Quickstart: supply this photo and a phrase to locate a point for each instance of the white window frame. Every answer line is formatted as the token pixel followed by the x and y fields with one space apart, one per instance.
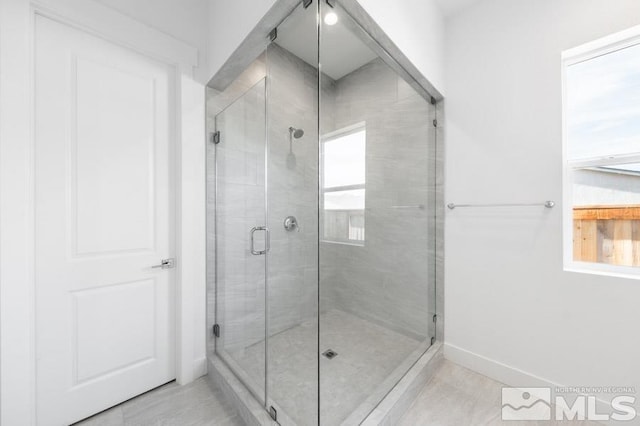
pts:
pixel 344 131
pixel 585 52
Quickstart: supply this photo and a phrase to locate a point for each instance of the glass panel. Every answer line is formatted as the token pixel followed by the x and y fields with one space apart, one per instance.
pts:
pixel 606 215
pixel 377 297
pixel 239 205
pixel 603 105
pixel 292 170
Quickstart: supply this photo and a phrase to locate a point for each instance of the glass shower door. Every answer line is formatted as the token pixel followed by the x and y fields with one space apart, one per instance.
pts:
pixel 241 237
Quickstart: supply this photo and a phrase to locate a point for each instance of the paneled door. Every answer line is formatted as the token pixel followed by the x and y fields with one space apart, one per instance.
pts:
pixel 104 124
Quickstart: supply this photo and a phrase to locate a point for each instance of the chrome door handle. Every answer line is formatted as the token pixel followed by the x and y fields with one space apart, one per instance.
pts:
pixel 266 240
pixel 166 264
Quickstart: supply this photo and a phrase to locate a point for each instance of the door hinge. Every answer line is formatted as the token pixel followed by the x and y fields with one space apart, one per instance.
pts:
pixel 306 3
pixel 435 318
pixel 433 101
pixel 273 413
pixel 215 137
pixel 433 340
pixel 435 123
pixel 216 330
pixel 273 35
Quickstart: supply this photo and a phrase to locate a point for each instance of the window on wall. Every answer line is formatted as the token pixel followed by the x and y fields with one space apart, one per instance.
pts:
pixel 602 155
pixel 344 185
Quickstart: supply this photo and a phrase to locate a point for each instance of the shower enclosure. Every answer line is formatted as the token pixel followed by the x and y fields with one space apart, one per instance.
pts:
pixel 322 167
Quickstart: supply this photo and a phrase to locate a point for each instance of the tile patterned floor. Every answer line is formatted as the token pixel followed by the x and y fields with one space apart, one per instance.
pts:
pixel 458 396
pixel 454 397
pixel 368 355
pixel 196 404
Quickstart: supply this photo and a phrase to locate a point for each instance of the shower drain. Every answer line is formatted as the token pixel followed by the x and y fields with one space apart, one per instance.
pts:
pixel 330 353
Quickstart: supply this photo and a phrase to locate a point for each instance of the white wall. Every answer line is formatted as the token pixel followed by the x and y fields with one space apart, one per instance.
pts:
pixel 416 26
pixel 229 23
pixel 508 304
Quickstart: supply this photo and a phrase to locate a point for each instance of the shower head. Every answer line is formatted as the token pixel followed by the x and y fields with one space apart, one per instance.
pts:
pixel 296 133
pixel 291 157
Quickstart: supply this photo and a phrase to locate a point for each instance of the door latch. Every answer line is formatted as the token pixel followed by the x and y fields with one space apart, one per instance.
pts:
pixel 166 264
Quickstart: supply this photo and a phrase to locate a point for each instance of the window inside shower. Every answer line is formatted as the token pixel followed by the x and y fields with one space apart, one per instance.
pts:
pixel 343 178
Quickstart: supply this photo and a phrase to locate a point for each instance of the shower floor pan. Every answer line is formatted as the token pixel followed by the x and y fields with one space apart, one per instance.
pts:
pixel 363 383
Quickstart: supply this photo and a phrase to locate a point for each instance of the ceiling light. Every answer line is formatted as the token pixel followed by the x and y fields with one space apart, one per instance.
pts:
pixel 330 18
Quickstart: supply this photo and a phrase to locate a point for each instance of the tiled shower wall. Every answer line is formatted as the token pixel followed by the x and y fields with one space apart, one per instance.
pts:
pixel 390 280
pixel 240 207
pixel 291 191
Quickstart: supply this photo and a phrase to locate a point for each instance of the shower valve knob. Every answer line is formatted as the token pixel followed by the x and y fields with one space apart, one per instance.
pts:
pixel 291 223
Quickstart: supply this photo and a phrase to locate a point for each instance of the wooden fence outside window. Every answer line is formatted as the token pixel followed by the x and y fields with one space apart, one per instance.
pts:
pixel 607 234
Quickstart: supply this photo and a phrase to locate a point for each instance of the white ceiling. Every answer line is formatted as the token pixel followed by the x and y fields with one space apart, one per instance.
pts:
pixel 451 7
pixel 342 51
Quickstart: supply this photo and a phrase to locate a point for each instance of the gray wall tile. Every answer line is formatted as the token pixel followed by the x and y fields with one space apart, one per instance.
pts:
pixel 391 279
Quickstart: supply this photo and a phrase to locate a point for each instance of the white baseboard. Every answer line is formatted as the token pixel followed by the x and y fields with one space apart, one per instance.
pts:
pixel 514 377
pixel 200 367
pixel 495 370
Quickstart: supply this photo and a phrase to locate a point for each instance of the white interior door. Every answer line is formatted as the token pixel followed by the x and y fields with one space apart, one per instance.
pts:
pixel 104 121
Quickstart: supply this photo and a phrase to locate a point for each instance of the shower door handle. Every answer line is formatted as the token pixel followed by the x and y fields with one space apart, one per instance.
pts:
pixel 266 240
